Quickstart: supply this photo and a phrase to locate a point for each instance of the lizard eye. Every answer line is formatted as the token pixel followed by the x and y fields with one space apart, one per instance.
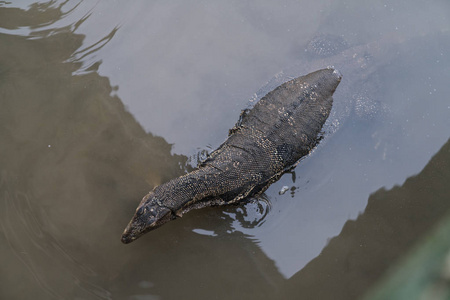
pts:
pixel 141 211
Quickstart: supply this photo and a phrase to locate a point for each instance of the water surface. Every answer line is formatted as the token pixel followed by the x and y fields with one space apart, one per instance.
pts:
pixel 102 101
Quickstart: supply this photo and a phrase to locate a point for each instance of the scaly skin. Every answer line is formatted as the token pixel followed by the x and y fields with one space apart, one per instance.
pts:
pixel 268 140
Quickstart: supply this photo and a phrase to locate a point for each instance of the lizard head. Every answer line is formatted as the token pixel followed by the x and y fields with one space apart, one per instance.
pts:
pixel 149 215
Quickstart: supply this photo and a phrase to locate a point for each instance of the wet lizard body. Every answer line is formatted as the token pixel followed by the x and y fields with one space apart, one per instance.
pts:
pixel 267 141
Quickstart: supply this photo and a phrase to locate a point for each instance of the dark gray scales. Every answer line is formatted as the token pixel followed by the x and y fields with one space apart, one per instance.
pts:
pixel 267 141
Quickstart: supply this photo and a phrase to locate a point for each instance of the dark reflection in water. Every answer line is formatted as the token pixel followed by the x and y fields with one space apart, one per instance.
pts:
pixel 74 163
pixel 391 224
pixel 37 15
pixel 71 159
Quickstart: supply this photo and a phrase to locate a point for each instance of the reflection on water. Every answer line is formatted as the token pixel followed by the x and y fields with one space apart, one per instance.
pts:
pixel 392 222
pixel 35 16
pixel 74 162
pixel 26 227
pixel 71 158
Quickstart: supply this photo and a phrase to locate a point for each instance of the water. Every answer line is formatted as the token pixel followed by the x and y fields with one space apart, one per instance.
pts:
pixel 101 101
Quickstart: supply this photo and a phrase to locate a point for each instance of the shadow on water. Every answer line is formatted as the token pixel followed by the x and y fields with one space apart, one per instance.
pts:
pixel 74 163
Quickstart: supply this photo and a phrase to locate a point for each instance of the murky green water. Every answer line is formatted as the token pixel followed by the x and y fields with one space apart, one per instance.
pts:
pixel 101 101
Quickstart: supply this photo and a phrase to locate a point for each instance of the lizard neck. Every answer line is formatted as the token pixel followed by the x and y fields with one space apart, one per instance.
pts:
pixel 193 190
